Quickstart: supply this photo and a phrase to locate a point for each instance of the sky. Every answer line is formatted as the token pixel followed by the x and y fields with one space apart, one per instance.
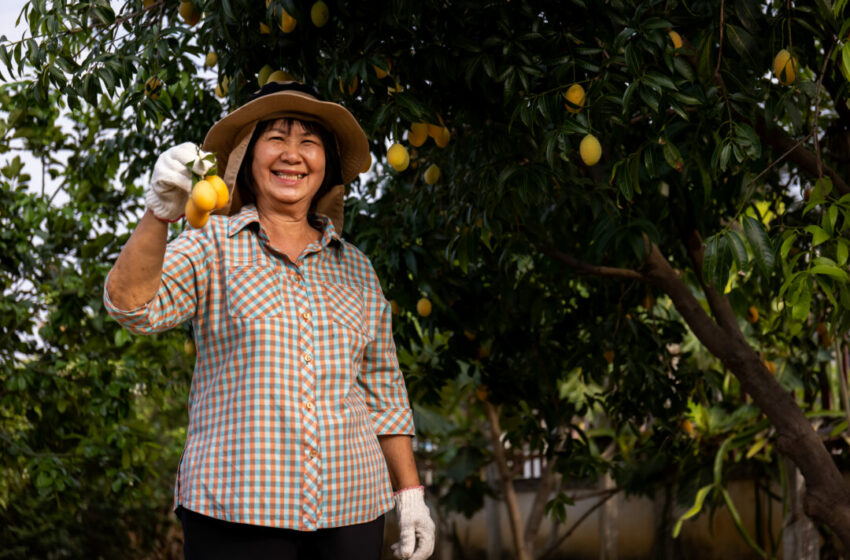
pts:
pixel 9 11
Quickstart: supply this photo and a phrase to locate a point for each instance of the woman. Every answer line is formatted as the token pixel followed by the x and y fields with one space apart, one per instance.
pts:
pixel 299 422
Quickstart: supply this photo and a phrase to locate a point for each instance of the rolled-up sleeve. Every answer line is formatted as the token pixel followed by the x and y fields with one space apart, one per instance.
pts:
pixel 185 275
pixel 381 377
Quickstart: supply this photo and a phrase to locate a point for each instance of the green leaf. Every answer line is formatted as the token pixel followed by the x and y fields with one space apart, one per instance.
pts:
pixel 736 517
pixel 742 42
pixel 841 252
pixel 658 81
pixel 802 301
pixel 694 509
pixel 786 245
pixel 819 235
pixel 739 249
pixel 829 270
pixel 760 245
pixel 830 218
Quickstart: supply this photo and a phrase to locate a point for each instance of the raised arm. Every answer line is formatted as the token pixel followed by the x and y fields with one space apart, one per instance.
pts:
pixel 135 277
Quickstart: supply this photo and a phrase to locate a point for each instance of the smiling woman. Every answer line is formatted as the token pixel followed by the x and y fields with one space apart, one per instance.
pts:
pixel 299 421
pixel 292 161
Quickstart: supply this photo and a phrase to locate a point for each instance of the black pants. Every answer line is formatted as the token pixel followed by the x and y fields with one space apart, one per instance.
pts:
pixel 207 538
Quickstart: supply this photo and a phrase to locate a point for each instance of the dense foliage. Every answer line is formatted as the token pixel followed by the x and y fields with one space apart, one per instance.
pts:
pixel 670 314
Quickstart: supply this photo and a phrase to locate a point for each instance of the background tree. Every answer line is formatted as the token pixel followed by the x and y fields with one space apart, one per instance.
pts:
pixel 669 313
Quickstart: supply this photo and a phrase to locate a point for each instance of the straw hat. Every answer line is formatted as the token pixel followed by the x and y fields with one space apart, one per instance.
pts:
pixel 228 138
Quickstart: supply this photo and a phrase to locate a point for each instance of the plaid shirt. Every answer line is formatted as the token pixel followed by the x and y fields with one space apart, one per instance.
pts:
pixel 296 376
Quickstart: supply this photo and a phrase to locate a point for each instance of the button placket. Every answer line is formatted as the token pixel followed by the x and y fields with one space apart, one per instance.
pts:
pixel 311 483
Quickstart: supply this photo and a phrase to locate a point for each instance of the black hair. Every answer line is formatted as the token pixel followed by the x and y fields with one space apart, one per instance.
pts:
pixel 333 167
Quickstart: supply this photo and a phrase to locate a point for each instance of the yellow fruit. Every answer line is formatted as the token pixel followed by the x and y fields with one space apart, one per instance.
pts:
pixel 395 308
pixel 443 137
pixel 211 59
pixel 608 355
pixel 575 98
pixel 676 38
pixel 688 427
pixel 397 157
pixel 396 89
pixel 785 67
pixel 204 196
pixel 148 3
pixel 190 14
pixel 434 129
pixel 263 75
pixel 418 134
pixel 223 87
pixel 352 86
pixel 319 14
pixel 279 76
pixel 752 314
pixel 590 150
pixel 287 22
pixel 222 193
pixel 196 218
pixel 432 174
pixel 264 29
pixel 423 307
pixel 153 87
pixel 189 347
pixel 380 72
pixel 771 367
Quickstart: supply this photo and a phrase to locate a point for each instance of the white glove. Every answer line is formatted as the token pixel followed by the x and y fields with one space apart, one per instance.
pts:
pixel 416 527
pixel 171 181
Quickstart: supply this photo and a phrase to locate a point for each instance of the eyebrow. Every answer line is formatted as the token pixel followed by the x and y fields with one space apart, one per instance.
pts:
pixel 288 130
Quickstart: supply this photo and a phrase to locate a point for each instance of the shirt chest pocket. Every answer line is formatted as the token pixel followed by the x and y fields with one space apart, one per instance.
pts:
pixel 254 292
pixel 346 307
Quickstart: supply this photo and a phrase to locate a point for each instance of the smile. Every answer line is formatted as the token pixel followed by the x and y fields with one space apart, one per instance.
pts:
pixel 285 175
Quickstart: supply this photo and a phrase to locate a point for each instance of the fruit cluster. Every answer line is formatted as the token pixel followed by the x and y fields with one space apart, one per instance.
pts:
pixel 208 194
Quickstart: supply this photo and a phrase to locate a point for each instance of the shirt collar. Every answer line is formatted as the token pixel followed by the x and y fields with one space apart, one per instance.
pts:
pixel 248 215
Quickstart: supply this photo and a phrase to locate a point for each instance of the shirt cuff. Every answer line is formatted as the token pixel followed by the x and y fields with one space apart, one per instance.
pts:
pixel 393 421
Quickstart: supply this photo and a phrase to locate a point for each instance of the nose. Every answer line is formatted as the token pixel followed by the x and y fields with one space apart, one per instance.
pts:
pixel 289 151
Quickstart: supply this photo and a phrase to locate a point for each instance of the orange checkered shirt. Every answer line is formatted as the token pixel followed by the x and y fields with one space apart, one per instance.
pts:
pixel 296 376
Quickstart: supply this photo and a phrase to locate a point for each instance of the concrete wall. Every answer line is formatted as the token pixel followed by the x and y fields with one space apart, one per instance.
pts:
pixel 635 524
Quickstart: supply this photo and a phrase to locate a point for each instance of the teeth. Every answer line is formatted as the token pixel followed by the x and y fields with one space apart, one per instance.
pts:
pixel 286 175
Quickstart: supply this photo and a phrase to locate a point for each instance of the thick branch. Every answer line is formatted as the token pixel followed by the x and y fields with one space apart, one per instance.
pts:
pixel 782 141
pixel 586 268
pixel 828 496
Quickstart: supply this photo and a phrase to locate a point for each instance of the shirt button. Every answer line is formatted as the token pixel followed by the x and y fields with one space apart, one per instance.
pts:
pixel 308 358
pixel 312 453
pixel 306 316
pixel 308 406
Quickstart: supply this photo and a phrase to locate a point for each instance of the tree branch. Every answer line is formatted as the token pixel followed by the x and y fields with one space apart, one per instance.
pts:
pixel 586 268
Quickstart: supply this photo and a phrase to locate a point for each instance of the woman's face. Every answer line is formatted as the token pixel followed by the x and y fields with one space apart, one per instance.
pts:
pixel 288 166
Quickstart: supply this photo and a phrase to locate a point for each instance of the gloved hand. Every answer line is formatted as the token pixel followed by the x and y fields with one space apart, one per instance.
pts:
pixel 171 181
pixel 415 524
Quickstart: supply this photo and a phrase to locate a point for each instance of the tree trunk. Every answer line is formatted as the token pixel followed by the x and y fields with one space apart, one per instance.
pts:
pixel 608 522
pixel 800 539
pixel 494 520
pixel 827 497
pixel 507 480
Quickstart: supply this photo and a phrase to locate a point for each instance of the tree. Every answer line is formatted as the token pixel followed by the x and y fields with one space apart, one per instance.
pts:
pixel 661 284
